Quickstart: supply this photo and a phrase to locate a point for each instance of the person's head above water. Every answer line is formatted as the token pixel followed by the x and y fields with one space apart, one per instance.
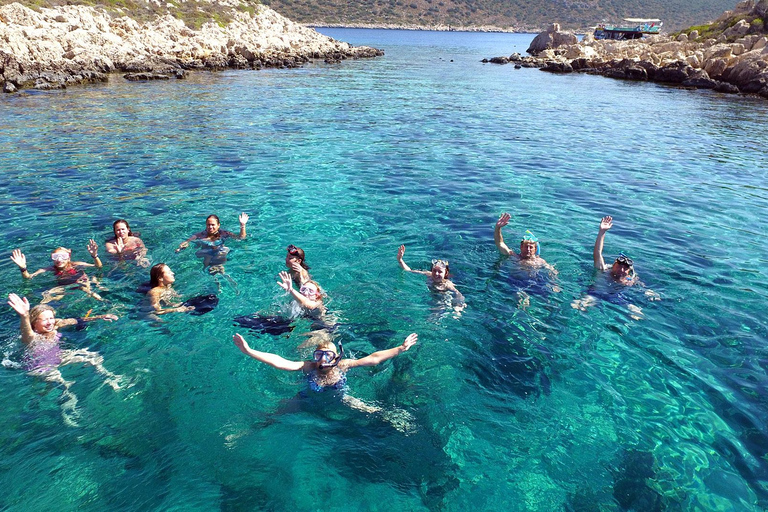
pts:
pixel 623 268
pixel 326 356
pixel 295 254
pixel 61 257
pixel 440 270
pixel 212 225
pixel 161 275
pixel 121 229
pixel 311 290
pixel 42 318
pixel 529 246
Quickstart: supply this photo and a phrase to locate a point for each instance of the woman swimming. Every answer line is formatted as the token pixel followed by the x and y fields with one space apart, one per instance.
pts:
pixel 66 271
pixel 308 296
pixel 328 368
pixel 162 297
pixel 295 260
pixel 211 242
pixel 44 355
pixel 125 245
pixel 438 278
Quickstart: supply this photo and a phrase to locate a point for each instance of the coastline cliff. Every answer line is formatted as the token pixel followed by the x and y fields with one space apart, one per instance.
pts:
pixel 729 55
pixel 56 47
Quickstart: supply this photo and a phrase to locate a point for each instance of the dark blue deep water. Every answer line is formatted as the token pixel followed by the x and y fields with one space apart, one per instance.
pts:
pixel 507 406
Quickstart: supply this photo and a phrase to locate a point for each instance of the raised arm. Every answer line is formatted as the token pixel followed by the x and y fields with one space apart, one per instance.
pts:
pixel 499 238
pixel 272 360
pixel 243 218
pixel 21 306
pixel 597 254
pixel 286 283
pixel 93 250
pixel 403 265
pixel 381 355
pixel 19 259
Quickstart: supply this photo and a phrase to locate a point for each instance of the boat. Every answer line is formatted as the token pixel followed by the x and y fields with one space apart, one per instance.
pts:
pixel 632 28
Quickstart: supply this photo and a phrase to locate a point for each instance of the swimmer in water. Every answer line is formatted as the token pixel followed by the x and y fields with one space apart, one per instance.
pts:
pixel 44 355
pixel 163 299
pixel 621 273
pixel 307 296
pixel 295 260
pixel 125 245
pixel 529 256
pixel 328 368
pixel 211 241
pixel 438 279
pixel 68 273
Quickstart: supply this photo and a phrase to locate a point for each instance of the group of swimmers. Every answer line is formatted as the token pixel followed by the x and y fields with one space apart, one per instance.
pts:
pixel 328 367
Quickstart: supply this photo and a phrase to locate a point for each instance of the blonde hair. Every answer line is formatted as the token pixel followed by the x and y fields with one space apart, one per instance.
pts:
pixel 38 310
pixel 327 344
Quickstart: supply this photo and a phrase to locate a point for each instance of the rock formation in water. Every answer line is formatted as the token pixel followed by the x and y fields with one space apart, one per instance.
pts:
pixel 730 55
pixel 72 44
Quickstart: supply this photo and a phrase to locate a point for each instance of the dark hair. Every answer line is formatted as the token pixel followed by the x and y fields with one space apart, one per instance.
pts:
pixel 155 273
pixel 297 252
pixel 123 221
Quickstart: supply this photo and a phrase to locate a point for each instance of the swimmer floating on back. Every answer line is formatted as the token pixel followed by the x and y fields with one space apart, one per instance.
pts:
pixel 67 272
pixel 44 355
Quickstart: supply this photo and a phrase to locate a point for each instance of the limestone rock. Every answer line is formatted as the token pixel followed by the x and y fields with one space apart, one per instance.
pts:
pixel 551 38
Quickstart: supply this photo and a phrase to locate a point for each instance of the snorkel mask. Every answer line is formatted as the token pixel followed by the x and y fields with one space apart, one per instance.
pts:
pixel 530 237
pixel 326 358
pixel 623 259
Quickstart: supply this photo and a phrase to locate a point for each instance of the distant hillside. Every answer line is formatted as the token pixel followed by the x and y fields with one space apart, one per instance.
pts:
pixel 517 14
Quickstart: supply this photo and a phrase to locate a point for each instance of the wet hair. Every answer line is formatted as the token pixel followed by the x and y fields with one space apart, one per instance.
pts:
pixel 300 255
pixel 216 218
pixel 38 310
pixel 441 263
pixel 327 344
pixel 155 274
pixel 61 249
pixel 122 221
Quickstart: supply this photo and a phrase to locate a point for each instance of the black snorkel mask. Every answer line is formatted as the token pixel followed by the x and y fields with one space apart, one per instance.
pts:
pixel 325 359
pixel 625 260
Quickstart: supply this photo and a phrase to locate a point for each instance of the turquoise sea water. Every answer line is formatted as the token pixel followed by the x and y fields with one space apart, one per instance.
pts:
pixel 502 408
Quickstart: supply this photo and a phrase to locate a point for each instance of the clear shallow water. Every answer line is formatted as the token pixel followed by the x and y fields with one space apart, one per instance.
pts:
pixel 547 408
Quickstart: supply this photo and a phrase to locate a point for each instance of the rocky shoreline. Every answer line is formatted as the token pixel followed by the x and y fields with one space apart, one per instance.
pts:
pixel 733 62
pixel 68 45
pixel 435 28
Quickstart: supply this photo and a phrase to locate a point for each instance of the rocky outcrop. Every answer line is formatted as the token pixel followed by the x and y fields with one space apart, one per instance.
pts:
pixel 67 45
pixel 732 62
pixel 550 39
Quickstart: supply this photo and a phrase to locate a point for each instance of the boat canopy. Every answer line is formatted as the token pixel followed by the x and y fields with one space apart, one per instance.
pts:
pixel 642 20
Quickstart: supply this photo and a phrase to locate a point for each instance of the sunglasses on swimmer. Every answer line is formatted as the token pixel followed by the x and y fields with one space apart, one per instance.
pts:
pixel 293 250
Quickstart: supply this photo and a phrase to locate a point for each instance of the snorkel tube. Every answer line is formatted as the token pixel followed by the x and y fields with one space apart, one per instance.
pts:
pixel 335 361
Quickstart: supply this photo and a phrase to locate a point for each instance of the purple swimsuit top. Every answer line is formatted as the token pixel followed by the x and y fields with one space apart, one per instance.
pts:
pixel 43 355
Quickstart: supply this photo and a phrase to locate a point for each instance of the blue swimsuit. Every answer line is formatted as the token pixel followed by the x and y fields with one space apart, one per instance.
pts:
pixel 338 385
